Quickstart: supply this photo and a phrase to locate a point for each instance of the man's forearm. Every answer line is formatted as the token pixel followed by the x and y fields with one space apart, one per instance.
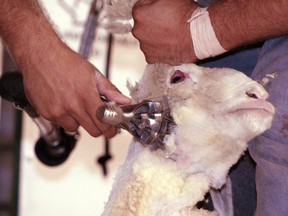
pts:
pixel 241 22
pixel 22 26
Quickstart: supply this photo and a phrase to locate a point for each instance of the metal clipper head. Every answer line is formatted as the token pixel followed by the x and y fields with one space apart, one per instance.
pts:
pixel 148 121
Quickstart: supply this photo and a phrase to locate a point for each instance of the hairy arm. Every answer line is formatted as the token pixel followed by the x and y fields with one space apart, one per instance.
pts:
pixel 240 22
pixel 59 83
pixel 235 22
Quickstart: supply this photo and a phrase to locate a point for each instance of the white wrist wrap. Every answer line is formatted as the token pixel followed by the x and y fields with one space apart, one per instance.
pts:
pixel 203 36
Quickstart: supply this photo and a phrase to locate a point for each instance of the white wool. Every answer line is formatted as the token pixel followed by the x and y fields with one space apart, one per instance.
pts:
pixel 140 196
pixel 157 181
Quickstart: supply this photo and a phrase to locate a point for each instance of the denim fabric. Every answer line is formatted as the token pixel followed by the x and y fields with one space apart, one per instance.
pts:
pixel 243 60
pixel 270 150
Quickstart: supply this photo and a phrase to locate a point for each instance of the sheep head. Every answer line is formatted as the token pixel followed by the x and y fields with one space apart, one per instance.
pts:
pixel 216 111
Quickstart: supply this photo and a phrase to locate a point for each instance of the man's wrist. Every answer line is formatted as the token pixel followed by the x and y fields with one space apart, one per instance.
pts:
pixel 205 41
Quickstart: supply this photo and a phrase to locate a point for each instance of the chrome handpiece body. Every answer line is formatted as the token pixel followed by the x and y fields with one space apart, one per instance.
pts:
pixel 148 121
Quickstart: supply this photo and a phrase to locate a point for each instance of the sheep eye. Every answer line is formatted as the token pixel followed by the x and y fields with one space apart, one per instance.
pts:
pixel 177 77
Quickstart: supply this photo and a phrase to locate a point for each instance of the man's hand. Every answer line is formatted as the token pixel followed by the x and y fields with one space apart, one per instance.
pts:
pixel 64 88
pixel 163 31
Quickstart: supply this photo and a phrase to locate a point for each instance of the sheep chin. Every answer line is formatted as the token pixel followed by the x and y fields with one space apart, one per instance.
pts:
pixel 253 120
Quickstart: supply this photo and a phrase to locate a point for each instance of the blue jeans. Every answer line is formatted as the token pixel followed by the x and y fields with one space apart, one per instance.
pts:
pixel 270 150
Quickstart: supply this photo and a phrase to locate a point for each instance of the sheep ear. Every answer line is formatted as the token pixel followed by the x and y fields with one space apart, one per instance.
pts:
pixel 178 76
pixel 131 85
pixel 133 89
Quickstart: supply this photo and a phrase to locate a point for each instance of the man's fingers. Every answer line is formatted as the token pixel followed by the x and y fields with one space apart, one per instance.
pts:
pixel 107 130
pixel 144 2
pixel 85 115
pixel 68 123
pixel 110 91
pixel 117 97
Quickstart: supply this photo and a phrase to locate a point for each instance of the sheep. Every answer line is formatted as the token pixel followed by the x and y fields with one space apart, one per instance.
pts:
pixel 217 111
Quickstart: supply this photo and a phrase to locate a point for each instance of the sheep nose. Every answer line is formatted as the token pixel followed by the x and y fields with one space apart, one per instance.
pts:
pixel 257 91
